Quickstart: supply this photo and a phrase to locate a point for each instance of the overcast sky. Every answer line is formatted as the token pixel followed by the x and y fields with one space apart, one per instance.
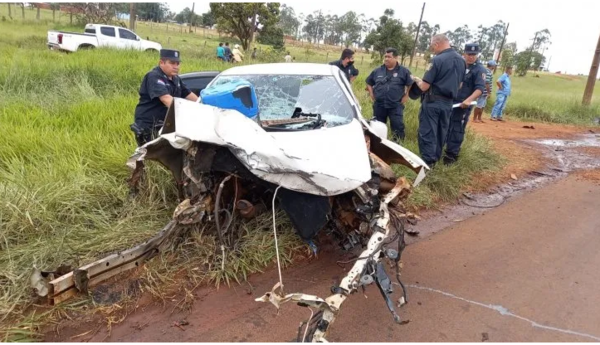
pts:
pixel 574 24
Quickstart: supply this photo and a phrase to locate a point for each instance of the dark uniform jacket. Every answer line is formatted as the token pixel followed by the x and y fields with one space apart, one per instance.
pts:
pixel 474 80
pixel 150 111
pixel 446 73
pixel 349 71
pixel 389 85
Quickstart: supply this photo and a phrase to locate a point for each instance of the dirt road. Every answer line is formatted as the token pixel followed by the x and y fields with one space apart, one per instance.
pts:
pixel 525 271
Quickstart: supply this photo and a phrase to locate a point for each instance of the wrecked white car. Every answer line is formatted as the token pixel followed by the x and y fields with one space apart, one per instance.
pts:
pixel 303 147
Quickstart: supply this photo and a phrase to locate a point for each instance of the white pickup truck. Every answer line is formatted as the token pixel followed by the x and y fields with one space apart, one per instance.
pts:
pixel 99 35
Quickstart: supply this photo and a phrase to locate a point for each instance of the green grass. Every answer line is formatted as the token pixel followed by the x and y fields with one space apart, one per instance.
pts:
pixel 551 98
pixel 65 139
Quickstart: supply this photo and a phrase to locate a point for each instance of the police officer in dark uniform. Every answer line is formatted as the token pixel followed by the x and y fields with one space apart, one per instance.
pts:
pixel 388 87
pixel 346 64
pixel 472 87
pixel 440 86
pixel 157 91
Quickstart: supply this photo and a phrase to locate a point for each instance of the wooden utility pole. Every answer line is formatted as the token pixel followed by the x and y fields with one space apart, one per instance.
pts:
pixel 132 8
pixel 9 11
pixel 37 15
pixel 498 58
pixel 416 37
pixel 591 82
pixel 23 10
pixel 192 17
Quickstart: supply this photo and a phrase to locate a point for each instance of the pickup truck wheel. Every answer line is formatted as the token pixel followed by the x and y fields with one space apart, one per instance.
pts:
pixel 86 47
pixel 150 50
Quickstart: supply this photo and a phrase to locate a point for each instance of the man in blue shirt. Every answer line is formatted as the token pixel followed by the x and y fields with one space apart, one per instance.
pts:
pixel 388 87
pixel 504 90
pixel 440 86
pixel 472 87
pixel 221 52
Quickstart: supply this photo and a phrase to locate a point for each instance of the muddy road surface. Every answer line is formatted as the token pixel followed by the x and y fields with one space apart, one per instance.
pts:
pixel 526 270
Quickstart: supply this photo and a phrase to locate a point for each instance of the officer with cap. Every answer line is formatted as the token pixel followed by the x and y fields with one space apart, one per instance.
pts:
pixel 473 86
pixel 440 86
pixel 157 91
pixel 388 87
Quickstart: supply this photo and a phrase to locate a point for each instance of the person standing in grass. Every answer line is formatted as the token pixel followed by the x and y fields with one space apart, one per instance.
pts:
pixel 346 64
pixel 439 88
pixel 157 91
pixel 237 54
pixel 504 91
pixel 253 55
pixel 288 57
pixel 221 52
pixel 482 100
pixel 388 87
pixel 228 54
pixel 472 87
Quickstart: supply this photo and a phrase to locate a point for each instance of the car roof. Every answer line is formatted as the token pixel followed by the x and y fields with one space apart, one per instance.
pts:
pixel 199 74
pixel 293 68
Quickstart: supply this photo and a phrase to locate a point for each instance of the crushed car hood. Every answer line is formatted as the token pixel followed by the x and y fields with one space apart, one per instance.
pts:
pixel 327 161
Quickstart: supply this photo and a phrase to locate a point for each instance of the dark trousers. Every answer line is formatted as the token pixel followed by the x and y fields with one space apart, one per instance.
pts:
pixel 456 133
pixel 434 119
pixel 396 116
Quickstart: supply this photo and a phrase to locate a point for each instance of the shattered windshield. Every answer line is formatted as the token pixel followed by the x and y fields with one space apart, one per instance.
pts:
pixel 304 97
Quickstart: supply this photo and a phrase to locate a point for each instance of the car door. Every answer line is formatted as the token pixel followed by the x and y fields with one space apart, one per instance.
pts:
pixel 107 37
pixel 128 40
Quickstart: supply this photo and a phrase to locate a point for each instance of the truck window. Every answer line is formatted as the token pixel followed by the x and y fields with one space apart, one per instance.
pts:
pixel 106 31
pixel 90 31
pixel 126 34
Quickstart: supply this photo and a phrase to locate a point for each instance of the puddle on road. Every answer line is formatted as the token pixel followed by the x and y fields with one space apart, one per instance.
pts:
pixel 587 140
pixel 565 158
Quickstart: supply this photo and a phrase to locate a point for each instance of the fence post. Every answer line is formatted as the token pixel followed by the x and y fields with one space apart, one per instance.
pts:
pixel 327 57
pixel 362 59
pixel 204 44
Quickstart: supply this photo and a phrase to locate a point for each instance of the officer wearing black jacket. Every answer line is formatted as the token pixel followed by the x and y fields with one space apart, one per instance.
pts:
pixel 472 87
pixel 346 64
pixel 440 86
pixel 157 91
pixel 388 87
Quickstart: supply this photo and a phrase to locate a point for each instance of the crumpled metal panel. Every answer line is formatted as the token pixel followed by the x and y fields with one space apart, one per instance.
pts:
pixel 327 161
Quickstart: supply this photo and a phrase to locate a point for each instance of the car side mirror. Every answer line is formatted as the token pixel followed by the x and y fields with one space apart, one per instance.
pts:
pixel 137 38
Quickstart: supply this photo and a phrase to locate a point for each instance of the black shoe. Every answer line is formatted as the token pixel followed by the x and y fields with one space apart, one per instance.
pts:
pixel 449 160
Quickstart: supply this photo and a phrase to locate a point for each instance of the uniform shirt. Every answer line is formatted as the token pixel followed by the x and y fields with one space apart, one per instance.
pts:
pixel 489 76
pixel 446 73
pixel 288 58
pixel 505 82
pixel 349 71
pixel 389 85
pixel 150 110
pixel 474 80
pixel 220 52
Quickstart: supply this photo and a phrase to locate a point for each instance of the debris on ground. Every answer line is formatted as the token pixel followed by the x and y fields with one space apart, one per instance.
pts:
pixel 529 127
pixel 513 176
pixel 485 336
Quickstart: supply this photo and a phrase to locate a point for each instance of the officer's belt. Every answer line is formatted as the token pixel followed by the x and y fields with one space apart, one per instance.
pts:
pixel 432 98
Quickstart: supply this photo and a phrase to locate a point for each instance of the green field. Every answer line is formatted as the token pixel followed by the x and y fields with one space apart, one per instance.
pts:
pixel 65 139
